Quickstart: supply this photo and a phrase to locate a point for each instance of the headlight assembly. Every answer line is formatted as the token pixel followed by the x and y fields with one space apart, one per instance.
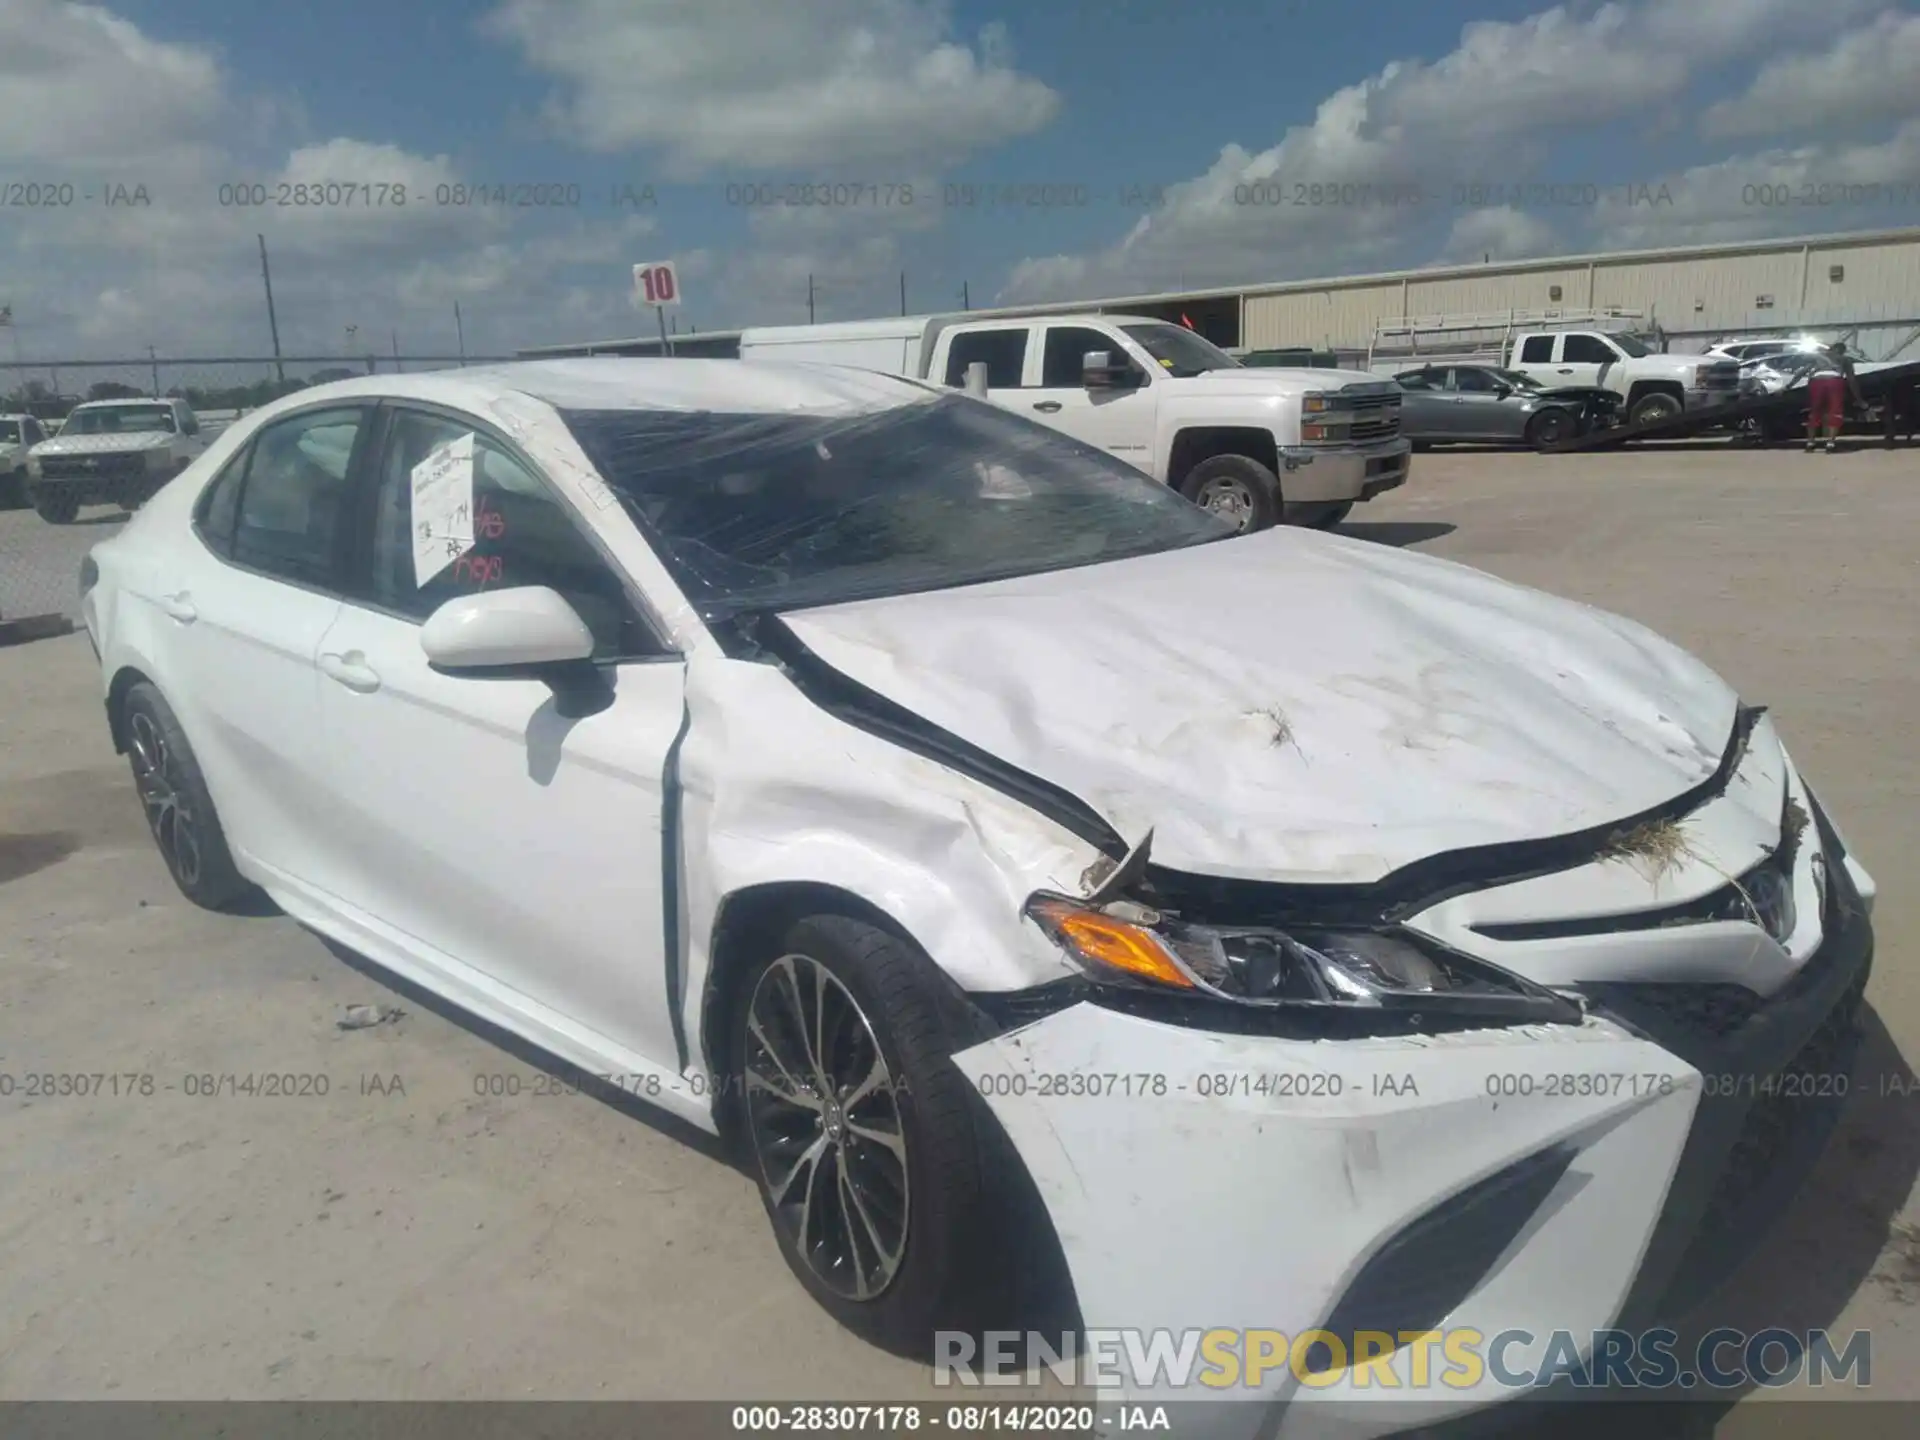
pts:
pixel 1124 944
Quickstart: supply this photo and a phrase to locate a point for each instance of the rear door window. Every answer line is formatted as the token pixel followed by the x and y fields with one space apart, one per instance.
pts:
pixel 1005 353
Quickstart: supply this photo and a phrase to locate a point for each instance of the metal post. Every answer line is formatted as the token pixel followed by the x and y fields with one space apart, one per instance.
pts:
pixel 977 379
pixel 156 372
pixel 965 303
pixel 666 346
pixel 903 292
pixel 273 321
pixel 809 299
pixel 460 334
pixel 396 351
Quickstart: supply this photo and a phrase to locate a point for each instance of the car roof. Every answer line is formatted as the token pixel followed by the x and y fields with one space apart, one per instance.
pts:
pixel 126 400
pixel 610 382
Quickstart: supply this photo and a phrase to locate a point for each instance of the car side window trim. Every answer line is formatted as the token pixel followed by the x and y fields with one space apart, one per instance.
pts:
pixel 358 591
pixel 334 585
pixel 236 467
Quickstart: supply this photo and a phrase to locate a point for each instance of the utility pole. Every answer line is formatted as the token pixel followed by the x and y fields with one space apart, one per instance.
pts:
pixel 460 334
pixel 809 299
pixel 903 292
pixel 273 322
pixel 156 371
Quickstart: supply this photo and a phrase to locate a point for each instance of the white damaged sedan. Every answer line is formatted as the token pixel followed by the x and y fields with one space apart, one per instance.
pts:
pixel 874 777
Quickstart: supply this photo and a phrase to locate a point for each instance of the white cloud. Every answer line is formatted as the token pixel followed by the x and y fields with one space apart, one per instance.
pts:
pixel 1500 232
pixel 79 86
pixel 1867 76
pixel 1805 189
pixel 1489 111
pixel 763 85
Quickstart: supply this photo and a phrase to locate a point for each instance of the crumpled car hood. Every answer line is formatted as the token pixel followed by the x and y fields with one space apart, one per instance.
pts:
pixel 120 440
pixel 1293 706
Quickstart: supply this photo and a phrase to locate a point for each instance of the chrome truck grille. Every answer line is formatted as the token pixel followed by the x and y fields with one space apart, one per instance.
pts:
pixel 1361 414
pixel 105 465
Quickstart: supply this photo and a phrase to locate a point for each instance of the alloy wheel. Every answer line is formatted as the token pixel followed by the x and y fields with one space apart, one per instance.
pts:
pixel 825 1121
pixel 169 815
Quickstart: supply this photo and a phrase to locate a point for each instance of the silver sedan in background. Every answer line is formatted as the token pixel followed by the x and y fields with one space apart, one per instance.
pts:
pixel 1483 404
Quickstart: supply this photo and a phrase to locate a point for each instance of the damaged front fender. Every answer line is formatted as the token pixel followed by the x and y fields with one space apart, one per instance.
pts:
pixel 774 791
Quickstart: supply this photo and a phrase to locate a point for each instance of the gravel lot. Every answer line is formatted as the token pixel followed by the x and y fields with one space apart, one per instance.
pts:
pixel 402 1236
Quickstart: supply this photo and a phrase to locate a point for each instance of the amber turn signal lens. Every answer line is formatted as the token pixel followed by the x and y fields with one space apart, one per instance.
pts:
pixel 1113 943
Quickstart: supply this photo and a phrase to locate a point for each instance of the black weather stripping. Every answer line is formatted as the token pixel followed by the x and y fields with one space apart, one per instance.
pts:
pixel 847 699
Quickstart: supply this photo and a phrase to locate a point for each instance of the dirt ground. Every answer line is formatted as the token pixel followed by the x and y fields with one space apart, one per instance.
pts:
pixel 409 1234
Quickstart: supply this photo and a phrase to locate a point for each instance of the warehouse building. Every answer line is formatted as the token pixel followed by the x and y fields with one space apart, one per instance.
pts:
pixel 1865 286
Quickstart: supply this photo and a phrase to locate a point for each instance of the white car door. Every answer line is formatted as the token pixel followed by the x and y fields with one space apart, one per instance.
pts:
pixel 1118 420
pixel 498 828
pixel 242 610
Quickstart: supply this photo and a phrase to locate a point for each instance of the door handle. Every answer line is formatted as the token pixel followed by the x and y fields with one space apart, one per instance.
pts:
pixel 351 672
pixel 180 607
pixel 1047 405
pixel 1565 371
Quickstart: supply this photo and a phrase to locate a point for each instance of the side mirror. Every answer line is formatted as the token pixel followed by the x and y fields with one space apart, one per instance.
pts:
pixel 1100 371
pixel 521 631
pixel 1502 389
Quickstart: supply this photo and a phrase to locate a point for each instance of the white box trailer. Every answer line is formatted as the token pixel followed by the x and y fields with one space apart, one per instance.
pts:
pixel 892 346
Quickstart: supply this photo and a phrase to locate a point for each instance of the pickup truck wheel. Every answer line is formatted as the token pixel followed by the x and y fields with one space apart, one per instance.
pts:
pixel 1658 406
pixel 55 506
pixel 1548 429
pixel 861 1134
pixel 13 490
pixel 1237 488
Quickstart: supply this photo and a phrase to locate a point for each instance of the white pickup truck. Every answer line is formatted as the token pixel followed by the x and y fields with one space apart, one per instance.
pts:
pixel 1654 386
pixel 111 452
pixel 1253 445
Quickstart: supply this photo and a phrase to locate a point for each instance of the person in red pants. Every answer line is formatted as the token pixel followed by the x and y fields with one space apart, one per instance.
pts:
pixel 1827 396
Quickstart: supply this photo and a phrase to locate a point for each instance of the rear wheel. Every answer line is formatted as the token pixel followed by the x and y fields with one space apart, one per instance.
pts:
pixel 1237 488
pixel 13 490
pixel 1548 429
pixel 862 1136
pixel 179 810
pixel 55 505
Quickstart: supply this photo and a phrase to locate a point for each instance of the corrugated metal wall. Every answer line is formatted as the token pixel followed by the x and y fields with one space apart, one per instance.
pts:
pixel 1880 282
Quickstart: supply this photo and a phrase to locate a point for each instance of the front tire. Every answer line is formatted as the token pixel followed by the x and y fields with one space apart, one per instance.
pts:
pixel 1658 406
pixel 180 812
pixel 56 506
pixel 861 1134
pixel 1237 488
pixel 1549 428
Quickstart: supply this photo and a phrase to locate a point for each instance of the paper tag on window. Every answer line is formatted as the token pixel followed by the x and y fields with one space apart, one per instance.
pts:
pixel 442 508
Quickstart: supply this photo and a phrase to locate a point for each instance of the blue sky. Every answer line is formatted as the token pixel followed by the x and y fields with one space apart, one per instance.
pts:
pixel 1180 107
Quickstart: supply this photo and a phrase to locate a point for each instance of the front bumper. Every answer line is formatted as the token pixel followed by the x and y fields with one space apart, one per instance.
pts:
pixel 109 480
pixel 1338 473
pixel 1187 1197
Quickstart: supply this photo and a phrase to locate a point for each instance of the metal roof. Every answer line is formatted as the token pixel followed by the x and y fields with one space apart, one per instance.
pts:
pixel 1109 304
